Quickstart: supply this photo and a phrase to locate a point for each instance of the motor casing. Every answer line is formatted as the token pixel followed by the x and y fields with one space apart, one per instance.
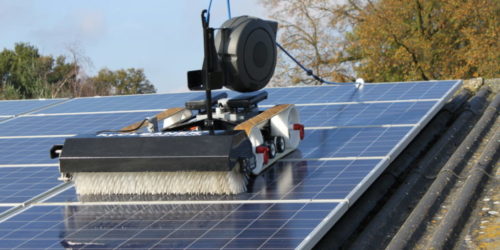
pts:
pixel 246 48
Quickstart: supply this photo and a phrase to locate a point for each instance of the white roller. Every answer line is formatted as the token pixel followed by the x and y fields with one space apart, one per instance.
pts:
pixel 282 125
pixel 209 182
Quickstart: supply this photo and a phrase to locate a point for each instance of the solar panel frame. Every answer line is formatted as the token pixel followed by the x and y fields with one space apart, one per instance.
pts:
pixel 4 208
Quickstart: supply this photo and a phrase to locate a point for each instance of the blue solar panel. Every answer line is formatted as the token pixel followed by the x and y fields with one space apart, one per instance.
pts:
pixel 269 225
pixel 121 103
pixel 69 124
pixel 298 95
pixel 16 107
pixel 27 150
pixel 331 164
pixel 370 92
pixel 364 114
pixel 3 209
pixel 349 142
pixel 20 184
pixel 324 115
pixel 319 143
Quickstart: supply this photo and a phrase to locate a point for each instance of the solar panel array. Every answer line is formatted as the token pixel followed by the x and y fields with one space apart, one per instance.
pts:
pixel 351 136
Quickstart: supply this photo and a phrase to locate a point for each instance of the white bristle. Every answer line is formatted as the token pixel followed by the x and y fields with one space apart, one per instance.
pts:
pixel 203 182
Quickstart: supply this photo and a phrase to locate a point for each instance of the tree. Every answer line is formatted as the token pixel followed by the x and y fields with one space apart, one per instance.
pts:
pixel 123 82
pixel 25 73
pixel 308 34
pixel 393 40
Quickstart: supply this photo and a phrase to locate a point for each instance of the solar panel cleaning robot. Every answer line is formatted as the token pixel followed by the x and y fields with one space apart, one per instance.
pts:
pixel 211 146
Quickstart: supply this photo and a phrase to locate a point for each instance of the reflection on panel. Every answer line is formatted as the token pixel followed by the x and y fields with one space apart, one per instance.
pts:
pixel 267 225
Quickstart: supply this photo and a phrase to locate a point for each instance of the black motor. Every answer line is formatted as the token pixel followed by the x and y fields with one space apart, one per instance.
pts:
pixel 246 56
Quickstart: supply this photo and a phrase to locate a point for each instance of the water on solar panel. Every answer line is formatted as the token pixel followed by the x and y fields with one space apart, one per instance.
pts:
pixel 165 226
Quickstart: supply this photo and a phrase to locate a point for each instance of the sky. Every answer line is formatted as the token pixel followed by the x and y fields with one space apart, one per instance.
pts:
pixel 163 37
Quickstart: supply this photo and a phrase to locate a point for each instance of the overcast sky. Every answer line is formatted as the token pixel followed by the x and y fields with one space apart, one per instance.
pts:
pixel 161 36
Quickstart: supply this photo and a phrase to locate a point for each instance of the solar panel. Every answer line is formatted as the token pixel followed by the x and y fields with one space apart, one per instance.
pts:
pixel 364 114
pixel 69 124
pixel 27 151
pixel 20 184
pixel 351 137
pixel 297 95
pixel 4 208
pixel 349 142
pixel 16 107
pixel 369 93
pixel 123 103
pixel 265 225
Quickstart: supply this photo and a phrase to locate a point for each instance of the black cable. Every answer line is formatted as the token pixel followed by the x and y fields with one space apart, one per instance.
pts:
pixel 309 71
pixel 124 131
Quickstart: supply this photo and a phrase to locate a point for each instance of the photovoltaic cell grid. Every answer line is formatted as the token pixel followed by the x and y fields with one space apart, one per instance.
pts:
pixel 269 225
pixel 26 151
pixel 369 92
pixel 364 114
pixel 16 107
pixel 312 116
pixel 314 171
pixel 69 124
pixel 305 95
pixel 123 103
pixel 21 184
